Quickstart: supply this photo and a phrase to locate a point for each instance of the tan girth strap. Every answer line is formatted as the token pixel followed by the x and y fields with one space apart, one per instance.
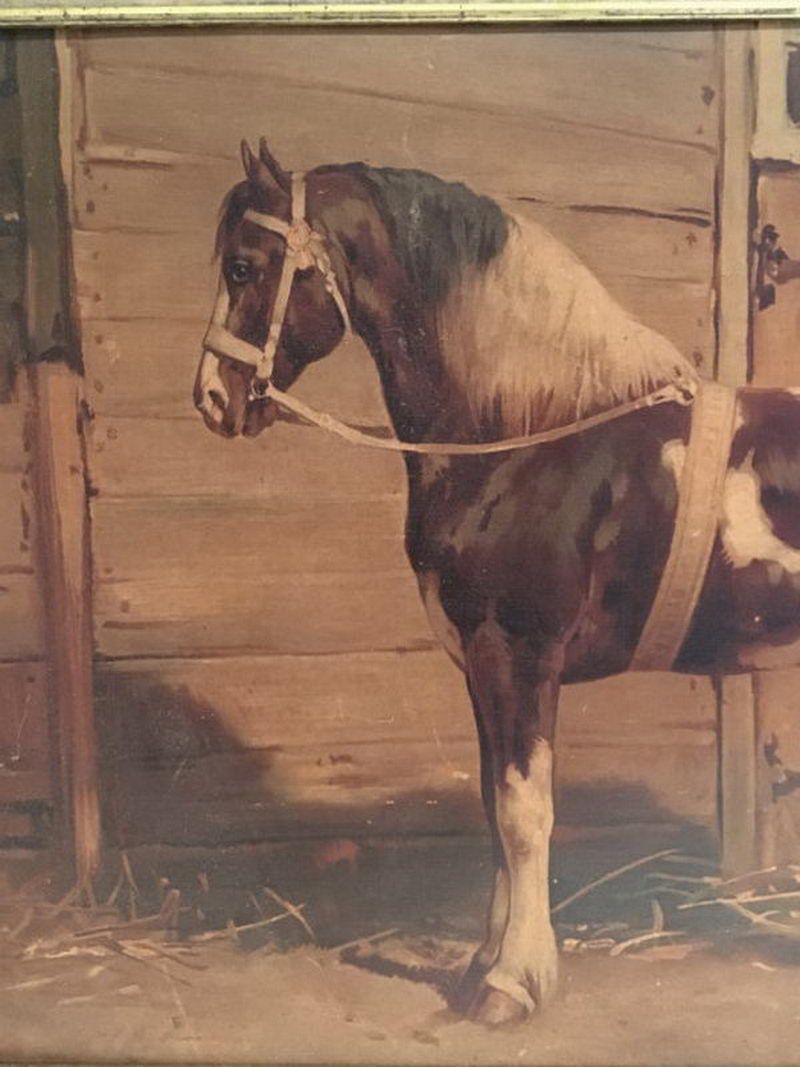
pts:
pixel 699 494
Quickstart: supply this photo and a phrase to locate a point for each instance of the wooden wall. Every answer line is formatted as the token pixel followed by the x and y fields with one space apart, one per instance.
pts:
pixel 24 741
pixel 264 666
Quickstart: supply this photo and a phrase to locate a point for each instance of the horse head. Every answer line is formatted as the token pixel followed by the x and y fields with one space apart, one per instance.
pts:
pixel 279 305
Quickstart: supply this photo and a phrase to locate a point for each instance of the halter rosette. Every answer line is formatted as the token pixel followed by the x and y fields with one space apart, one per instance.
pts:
pixel 304 248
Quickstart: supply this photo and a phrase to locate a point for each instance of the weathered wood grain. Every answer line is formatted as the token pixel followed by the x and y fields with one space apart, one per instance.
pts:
pixel 20 598
pixel 180 457
pixel 176 614
pixel 139 541
pixel 148 366
pixel 393 747
pixel 260 701
pixel 21 635
pixel 63 536
pixel 16 556
pixel 24 726
pixel 13 456
pixel 531 73
pixel 776 760
pixel 519 155
pixel 20 611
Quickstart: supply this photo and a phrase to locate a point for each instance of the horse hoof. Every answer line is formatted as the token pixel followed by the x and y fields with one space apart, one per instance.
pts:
pixel 468 987
pixel 497 1009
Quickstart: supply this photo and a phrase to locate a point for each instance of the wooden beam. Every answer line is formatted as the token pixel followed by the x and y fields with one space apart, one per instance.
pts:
pixel 735 208
pixel 63 548
pixel 738 779
pixel 737 707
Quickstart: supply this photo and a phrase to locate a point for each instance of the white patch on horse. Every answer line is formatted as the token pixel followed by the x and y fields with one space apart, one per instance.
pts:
pixel 443 629
pixel 745 529
pixel 673 457
pixel 608 530
pixel 578 352
pixel 527 966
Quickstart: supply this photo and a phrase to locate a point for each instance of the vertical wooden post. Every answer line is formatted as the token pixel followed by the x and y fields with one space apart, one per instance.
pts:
pixel 62 513
pixel 737 706
pixel 737 775
pixel 62 523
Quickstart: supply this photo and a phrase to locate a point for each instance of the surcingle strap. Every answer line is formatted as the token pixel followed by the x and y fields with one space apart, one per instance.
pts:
pixel 699 494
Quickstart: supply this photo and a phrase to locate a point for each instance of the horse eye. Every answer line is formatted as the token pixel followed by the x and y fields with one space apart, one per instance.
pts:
pixel 239 271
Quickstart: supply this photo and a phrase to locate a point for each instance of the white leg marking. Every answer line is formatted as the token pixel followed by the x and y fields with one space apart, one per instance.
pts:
pixel 527 966
pixel 497 919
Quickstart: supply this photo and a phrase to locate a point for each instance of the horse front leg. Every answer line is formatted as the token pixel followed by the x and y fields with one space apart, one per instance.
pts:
pixel 515 691
pixel 497 918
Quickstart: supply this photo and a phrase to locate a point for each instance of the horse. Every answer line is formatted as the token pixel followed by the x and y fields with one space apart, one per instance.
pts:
pixel 544 431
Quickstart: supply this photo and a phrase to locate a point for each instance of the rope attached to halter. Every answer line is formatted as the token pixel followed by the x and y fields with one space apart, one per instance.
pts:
pixel 669 394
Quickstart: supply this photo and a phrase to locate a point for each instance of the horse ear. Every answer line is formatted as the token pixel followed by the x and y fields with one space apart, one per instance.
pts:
pixel 248 160
pixel 282 177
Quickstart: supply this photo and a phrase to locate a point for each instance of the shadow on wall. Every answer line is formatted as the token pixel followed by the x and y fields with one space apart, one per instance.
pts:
pixel 175 773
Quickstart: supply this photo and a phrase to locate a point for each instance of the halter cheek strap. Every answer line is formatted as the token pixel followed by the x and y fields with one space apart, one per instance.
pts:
pixel 304 248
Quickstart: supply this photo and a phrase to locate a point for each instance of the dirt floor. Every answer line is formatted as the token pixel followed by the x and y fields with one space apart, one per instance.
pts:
pixel 695 988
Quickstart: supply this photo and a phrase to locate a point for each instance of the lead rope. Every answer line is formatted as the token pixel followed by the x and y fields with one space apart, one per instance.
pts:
pixel 668 394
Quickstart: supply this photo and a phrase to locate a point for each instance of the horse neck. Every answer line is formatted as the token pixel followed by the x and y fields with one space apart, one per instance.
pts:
pixel 394 324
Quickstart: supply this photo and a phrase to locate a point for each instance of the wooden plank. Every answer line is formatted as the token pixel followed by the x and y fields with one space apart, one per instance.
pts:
pixel 262 701
pixel 13 455
pixel 295 613
pixel 737 775
pixel 24 731
pixel 182 284
pixel 394 752
pixel 552 73
pixel 148 366
pixel 735 223
pixel 15 524
pixel 180 457
pixel 139 541
pixel 21 626
pixel 777 695
pixel 64 553
pixel 184 200
pixel 21 623
pixel 541 158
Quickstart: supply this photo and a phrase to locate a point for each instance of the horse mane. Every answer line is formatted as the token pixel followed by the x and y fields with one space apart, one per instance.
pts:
pixel 528 335
pixel 534 340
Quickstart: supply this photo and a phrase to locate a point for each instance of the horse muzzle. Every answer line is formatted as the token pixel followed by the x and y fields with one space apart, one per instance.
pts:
pixel 230 401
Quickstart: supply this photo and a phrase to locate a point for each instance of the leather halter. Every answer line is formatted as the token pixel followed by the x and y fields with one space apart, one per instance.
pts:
pixel 304 248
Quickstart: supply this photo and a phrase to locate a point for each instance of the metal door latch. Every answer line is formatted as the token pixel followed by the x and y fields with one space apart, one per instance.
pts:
pixel 773 267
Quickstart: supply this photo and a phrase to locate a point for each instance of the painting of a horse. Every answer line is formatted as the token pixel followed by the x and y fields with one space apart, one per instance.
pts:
pixel 539 565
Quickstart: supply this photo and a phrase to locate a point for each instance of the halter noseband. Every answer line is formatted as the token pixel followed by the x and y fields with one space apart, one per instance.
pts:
pixel 304 248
